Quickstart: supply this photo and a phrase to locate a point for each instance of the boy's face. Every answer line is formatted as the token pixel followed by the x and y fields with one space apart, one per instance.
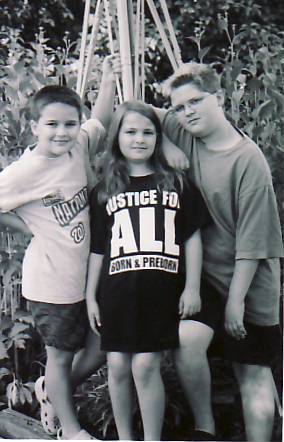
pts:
pixel 197 110
pixel 56 130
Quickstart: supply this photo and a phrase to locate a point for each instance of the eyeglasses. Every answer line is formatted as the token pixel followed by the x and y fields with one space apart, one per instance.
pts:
pixel 192 104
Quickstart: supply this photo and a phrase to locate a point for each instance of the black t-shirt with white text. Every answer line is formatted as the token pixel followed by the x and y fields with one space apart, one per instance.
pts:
pixel 141 233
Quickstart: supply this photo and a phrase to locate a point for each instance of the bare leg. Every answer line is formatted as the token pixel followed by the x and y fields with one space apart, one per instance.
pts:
pixel 120 389
pixel 194 372
pixel 146 369
pixel 256 388
pixel 88 360
pixel 58 386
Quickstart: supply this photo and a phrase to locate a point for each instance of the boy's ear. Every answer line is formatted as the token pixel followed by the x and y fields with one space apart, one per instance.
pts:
pixel 34 127
pixel 220 97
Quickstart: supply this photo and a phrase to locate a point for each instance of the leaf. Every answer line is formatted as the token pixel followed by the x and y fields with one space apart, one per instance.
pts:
pixel 30 385
pixel 279 98
pixel 195 40
pixel 18 328
pixel 6 322
pixel 28 395
pixel 14 266
pixel 23 317
pixel 4 372
pixel 3 106
pixel 254 84
pixel 22 395
pixel 222 23
pixel 264 110
pixel 3 352
pixel 203 52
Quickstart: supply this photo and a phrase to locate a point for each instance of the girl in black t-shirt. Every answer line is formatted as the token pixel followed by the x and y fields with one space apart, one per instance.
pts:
pixel 145 263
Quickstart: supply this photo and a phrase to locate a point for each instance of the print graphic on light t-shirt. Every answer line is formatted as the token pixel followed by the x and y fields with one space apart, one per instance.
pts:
pixel 53 198
pixel 147 252
pixel 66 211
pixel 78 233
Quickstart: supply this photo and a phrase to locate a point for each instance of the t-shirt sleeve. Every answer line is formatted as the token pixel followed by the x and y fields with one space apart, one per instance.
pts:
pixel 194 212
pixel 98 222
pixel 18 184
pixel 258 233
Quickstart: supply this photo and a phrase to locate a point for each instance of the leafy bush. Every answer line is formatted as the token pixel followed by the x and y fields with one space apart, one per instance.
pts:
pixel 250 58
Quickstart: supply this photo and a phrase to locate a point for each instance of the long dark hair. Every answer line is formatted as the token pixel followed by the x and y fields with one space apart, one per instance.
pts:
pixel 114 173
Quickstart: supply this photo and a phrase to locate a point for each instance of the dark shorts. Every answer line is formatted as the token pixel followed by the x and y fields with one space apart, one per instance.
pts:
pixel 63 326
pixel 262 345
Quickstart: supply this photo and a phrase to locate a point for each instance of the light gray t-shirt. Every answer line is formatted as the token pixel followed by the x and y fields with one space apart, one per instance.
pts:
pixel 51 196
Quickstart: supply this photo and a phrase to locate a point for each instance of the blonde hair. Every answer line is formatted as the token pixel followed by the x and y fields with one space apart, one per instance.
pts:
pixel 203 76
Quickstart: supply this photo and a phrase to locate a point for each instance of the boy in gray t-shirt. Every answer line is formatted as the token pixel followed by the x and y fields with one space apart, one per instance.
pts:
pixel 241 271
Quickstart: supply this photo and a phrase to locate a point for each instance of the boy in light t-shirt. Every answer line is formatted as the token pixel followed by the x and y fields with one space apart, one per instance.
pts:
pixel 47 188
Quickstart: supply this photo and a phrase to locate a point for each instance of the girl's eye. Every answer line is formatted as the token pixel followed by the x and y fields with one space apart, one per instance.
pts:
pixel 130 131
pixel 71 124
pixel 51 123
pixel 149 132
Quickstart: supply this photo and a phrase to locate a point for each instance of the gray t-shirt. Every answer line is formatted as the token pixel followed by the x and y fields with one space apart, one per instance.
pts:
pixel 236 184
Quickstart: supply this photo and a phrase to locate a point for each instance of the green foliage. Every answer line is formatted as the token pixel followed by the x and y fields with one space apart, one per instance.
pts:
pixel 15 332
pixel 18 393
pixel 244 41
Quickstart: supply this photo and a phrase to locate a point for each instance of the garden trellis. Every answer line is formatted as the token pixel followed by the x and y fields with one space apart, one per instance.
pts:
pixel 126 25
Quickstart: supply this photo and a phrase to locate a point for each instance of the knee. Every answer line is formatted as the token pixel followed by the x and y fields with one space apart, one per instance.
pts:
pixel 118 370
pixel 144 369
pixel 257 402
pixel 257 408
pixel 256 387
pixel 190 358
pixel 59 358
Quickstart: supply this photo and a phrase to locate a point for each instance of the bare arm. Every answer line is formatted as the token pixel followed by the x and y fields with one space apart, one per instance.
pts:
pixel 94 270
pixel 234 313
pixel 190 302
pixel 174 155
pixel 14 222
pixel 104 103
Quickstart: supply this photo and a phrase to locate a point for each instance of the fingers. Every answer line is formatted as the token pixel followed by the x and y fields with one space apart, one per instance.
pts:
pixel 180 162
pixel 236 330
pixel 183 163
pixel 94 318
pixel 187 309
pixel 112 63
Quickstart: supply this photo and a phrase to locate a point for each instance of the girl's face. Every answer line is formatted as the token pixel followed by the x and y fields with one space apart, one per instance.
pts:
pixel 56 130
pixel 137 138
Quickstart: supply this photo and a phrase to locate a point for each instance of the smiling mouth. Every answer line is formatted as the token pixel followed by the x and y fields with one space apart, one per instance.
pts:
pixel 193 120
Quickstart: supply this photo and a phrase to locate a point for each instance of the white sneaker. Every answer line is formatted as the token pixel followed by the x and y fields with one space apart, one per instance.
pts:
pixel 49 420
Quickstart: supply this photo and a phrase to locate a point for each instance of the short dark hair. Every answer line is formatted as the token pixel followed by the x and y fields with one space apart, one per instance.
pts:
pixel 203 76
pixel 53 94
